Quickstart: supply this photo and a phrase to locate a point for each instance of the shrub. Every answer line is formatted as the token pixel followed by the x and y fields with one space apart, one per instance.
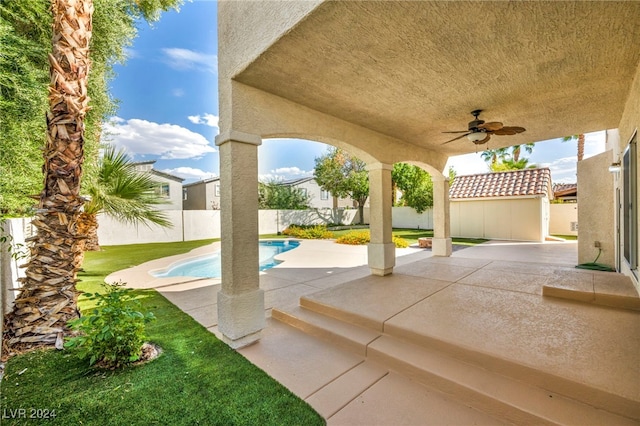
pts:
pixel 308 232
pixel 113 333
pixel 355 238
pixel 364 237
pixel 400 242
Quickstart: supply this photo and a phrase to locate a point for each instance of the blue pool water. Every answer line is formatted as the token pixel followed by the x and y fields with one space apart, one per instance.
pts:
pixel 209 266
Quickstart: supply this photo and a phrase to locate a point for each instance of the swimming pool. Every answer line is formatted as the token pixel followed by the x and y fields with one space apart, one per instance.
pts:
pixel 209 266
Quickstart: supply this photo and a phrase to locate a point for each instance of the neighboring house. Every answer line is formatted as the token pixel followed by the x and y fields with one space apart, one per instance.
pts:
pixel 201 195
pixel 169 186
pixel 319 198
pixel 205 194
pixel 566 192
pixel 511 205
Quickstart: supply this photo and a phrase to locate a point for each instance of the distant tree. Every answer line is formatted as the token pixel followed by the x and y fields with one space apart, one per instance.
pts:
pixel 278 196
pixel 504 159
pixel 123 193
pixel 508 164
pixel 415 184
pixel 516 149
pixel 580 139
pixel 491 156
pixel 343 175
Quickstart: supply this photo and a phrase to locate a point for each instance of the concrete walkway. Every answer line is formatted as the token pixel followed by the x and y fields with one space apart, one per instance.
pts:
pixel 459 340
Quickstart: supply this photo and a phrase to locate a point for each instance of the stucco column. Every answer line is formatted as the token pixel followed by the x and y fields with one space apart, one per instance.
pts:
pixel 240 300
pixel 441 217
pixel 381 250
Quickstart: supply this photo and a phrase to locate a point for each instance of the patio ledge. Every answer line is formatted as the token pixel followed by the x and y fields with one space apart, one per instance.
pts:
pixel 605 288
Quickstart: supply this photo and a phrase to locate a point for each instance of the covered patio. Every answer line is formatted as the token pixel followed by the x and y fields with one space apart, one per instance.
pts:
pixel 384 80
pixel 466 339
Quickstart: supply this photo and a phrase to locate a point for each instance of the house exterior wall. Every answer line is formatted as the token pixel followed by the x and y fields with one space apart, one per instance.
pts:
pixel 629 123
pixel 196 196
pixel 597 223
pixel 203 195
pixel 521 219
pixel 561 217
pixel 174 200
pixel 315 193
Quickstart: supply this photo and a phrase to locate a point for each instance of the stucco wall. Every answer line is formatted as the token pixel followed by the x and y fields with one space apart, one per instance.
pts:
pixel 196 197
pixel 15 231
pixel 629 123
pixel 597 221
pixel 504 219
pixel 561 216
pixel 407 217
pixel 205 224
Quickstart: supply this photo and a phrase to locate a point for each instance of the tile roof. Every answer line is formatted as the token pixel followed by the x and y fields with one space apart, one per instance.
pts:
pixel 565 189
pixel 525 182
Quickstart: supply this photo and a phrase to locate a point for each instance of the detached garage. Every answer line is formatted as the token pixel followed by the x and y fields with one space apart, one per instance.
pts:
pixel 510 205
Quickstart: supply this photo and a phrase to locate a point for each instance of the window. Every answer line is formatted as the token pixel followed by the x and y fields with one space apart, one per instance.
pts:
pixel 163 190
pixel 184 194
pixel 303 191
pixel 216 190
pixel 629 206
pixel 324 195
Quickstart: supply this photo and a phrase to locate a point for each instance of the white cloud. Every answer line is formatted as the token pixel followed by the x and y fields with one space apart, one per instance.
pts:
pixel 563 170
pixel 178 93
pixel 185 59
pixel 168 141
pixel 292 171
pixel 190 173
pixel 284 173
pixel 206 119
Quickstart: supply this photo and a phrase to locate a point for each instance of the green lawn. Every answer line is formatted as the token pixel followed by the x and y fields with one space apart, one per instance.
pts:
pixel 198 380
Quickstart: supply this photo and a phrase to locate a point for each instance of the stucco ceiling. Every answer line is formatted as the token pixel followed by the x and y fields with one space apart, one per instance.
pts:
pixel 415 69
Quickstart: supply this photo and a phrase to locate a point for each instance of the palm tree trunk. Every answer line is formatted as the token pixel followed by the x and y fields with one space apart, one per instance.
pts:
pixel 580 147
pixel 88 226
pixel 48 298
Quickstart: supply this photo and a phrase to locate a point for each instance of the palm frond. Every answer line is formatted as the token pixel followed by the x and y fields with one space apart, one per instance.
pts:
pixel 125 193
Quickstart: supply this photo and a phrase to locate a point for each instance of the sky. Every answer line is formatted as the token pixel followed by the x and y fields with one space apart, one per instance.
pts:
pixel 168 109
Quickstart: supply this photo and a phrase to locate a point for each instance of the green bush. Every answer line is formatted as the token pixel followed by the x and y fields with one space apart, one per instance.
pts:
pixel 358 238
pixel 400 242
pixel 114 331
pixel 308 232
pixel 355 238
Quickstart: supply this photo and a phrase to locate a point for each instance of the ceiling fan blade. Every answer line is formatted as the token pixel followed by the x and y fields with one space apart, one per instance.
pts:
pixel 491 126
pixel 485 140
pixel 509 130
pixel 458 131
pixel 455 139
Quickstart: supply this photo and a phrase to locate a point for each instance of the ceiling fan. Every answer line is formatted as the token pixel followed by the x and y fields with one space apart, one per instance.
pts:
pixel 480 132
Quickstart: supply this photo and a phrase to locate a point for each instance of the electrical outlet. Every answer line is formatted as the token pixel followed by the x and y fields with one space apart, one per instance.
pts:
pixel 596 244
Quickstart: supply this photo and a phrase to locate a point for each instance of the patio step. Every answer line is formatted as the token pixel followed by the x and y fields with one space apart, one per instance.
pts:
pixel 498 387
pixel 343 334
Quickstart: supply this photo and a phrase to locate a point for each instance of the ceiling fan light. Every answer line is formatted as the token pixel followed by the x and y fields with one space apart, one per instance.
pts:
pixel 476 136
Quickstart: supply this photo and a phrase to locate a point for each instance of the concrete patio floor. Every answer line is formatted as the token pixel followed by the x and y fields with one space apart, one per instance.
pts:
pixel 468 339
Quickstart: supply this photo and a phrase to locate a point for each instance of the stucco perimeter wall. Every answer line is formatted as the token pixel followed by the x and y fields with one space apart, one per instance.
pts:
pixel 190 225
pixel 597 222
pixel 407 217
pixel 561 216
pixel 14 233
pixel 500 219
